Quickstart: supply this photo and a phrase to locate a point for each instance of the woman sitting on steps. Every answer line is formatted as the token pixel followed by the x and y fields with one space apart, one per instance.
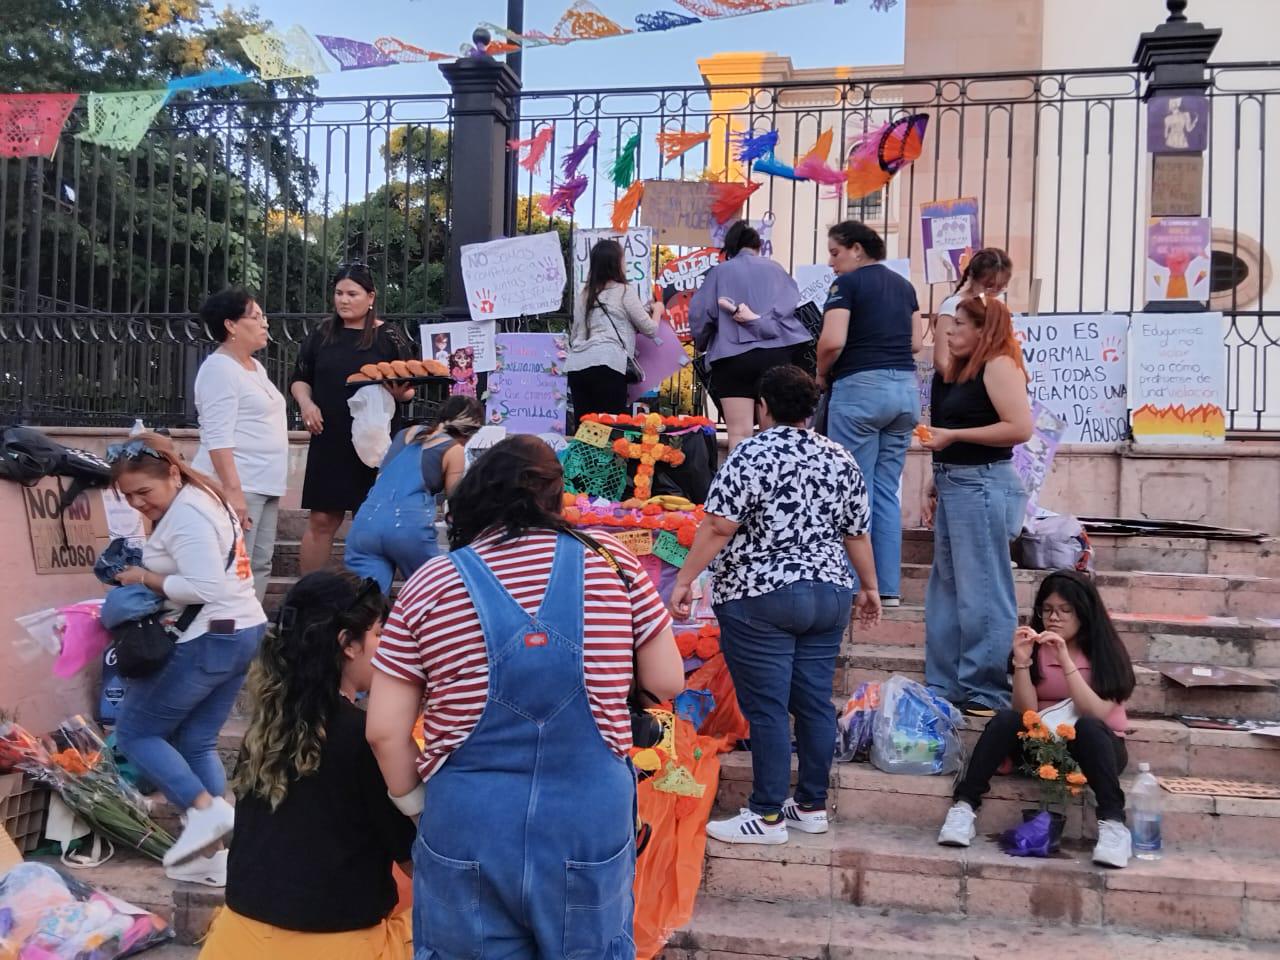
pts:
pixel 1071 652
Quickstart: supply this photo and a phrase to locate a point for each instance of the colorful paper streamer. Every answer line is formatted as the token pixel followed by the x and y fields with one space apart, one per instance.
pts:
pixel 222 77
pixel 771 166
pixel 30 123
pixel 585 21
pixel 401 52
pixel 755 146
pixel 663 20
pixel 675 143
pixel 535 147
pixel 564 197
pixel 880 153
pixel 624 164
pixel 121 120
pixel 575 156
pixel 279 56
pixel 625 206
pixel 729 198
pixel 354 54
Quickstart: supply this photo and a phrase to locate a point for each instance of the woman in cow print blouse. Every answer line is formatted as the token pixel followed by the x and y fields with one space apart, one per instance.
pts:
pixel 784 512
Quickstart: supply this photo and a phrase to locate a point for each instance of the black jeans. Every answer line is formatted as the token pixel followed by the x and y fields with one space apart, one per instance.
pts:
pixel 1101 754
pixel 598 390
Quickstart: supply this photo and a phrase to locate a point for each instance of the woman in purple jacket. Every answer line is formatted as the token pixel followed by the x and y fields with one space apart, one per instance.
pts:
pixel 741 342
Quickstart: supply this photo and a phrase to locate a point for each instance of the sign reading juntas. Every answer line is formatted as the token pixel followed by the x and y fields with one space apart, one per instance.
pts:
pixel 1178 368
pixel 949 234
pixel 441 341
pixel 1077 369
pixel 515 277
pixel 679 211
pixel 68 542
pixel 528 390
pixel 637 253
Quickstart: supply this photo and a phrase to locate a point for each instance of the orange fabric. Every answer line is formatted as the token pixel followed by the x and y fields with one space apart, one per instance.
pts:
pixel 726 720
pixel 233 937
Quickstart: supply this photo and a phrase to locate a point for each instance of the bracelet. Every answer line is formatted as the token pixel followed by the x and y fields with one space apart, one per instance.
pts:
pixel 1072 673
pixel 411 803
pixel 1022 666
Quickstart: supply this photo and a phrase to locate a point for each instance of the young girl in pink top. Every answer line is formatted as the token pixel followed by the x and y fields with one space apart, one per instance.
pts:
pixel 1069 652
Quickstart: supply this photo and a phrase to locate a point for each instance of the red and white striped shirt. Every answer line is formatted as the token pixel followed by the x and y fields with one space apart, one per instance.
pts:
pixel 434 636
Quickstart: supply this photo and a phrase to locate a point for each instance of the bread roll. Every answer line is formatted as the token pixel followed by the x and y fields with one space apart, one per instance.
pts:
pixel 416 368
pixel 359 378
pixel 435 368
pixel 386 369
pixel 401 368
pixel 371 371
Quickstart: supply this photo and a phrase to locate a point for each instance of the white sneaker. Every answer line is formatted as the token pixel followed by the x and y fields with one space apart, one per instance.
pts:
pixel 748 827
pixel 959 829
pixel 806 821
pixel 890 602
pixel 211 871
pixel 204 828
pixel 1115 846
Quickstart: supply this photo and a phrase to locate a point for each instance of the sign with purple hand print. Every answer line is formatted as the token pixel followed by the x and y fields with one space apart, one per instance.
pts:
pixel 514 277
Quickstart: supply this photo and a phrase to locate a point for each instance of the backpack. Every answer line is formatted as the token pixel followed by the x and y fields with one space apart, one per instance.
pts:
pixel 27 456
pixel 1052 541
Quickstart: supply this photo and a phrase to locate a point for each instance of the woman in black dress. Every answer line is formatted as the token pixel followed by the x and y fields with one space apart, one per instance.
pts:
pixel 337 480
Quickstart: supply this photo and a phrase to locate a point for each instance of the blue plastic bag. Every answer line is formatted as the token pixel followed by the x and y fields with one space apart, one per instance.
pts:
pixel 914 731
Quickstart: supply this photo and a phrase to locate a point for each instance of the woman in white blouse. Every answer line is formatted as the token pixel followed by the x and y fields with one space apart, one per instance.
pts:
pixel 244 432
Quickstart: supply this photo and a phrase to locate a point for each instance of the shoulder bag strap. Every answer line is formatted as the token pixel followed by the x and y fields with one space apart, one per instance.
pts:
pixel 192 610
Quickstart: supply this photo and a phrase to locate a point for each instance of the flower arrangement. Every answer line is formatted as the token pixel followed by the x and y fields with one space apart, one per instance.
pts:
pixel 85 775
pixel 581 510
pixel 1046 758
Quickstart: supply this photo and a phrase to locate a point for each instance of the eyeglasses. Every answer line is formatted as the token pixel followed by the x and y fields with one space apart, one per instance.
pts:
pixel 1062 612
pixel 132 450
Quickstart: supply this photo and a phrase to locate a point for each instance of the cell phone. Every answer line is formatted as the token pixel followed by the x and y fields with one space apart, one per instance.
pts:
pixel 222 626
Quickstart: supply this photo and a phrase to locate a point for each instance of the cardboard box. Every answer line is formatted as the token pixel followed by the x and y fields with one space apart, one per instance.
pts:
pixel 68 542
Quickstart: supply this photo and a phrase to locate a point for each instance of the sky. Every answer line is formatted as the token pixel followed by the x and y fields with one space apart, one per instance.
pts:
pixel 822 34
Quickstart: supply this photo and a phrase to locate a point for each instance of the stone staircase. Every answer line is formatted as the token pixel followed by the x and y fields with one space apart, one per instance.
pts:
pixel 878 885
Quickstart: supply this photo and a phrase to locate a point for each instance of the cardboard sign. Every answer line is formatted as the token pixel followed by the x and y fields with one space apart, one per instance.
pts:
pixel 1177 185
pixel 949 234
pixel 528 390
pixel 637 253
pixel 1033 459
pixel 1178 374
pixel 1178 259
pixel 1077 369
pixel 679 211
pixel 66 543
pixel 639 542
pixel 443 341
pixel 514 277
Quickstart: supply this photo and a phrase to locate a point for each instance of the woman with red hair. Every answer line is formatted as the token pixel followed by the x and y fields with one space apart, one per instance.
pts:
pixel 975 505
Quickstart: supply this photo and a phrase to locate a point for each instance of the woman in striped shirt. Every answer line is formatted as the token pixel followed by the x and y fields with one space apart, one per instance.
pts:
pixel 525 641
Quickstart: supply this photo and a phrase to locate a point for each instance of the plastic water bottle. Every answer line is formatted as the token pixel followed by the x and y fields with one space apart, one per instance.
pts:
pixel 1147 813
pixel 138 427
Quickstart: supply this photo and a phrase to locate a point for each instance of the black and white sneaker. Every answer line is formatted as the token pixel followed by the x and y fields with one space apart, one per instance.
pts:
pixel 748 827
pixel 806 821
pixel 890 601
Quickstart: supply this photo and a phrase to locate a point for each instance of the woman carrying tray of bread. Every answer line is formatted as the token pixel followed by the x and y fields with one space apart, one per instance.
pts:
pixel 336 479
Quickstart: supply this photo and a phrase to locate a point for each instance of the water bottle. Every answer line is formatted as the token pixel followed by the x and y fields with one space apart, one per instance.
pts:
pixel 138 427
pixel 1146 803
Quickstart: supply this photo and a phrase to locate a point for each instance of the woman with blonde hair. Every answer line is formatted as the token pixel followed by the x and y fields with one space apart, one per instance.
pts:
pixel 316 834
pixel 169 721
pixel 975 504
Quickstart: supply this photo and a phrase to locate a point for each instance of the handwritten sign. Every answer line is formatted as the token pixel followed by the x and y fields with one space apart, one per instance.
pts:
pixel 679 211
pixel 64 541
pixel 1178 259
pixel 515 277
pixel 1033 459
pixel 1077 369
pixel 527 391
pixel 949 234
pixel 680 279
pixel 441 341
pixel 484 438
pixel 814 281
pixel 1177 185
pixel 1178 370
pixel 763 226
pixel 637 253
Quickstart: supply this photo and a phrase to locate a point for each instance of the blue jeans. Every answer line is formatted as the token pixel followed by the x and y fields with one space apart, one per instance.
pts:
pixel 169 722
pixel 969 626
pixel 781 650
pixel 384 540
pixel 872 414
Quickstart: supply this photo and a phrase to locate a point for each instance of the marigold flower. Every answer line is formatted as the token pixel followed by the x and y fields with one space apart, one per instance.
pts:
pixel 1047 772
pixel 1076 778
pixel 1039 732
pixel 1030 719
pixel 1066 731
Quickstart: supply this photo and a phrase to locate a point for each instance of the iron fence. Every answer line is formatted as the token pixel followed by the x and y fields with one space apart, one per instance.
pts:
pixel 105 255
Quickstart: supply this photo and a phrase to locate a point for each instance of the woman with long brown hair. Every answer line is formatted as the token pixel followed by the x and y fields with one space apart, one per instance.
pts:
pixel 975 504
pixel 169 722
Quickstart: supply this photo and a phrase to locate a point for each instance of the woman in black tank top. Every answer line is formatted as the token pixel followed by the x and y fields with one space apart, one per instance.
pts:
pixel 975 505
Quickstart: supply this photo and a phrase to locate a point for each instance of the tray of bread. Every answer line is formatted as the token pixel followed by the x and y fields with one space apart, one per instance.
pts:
pixel 399 373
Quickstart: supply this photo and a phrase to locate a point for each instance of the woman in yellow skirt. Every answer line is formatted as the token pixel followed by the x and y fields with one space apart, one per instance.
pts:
pixel 310 873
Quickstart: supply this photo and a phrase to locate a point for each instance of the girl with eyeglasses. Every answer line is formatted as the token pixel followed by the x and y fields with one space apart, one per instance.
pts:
pixel 1070 652
pixel 316 834
pixel 169 721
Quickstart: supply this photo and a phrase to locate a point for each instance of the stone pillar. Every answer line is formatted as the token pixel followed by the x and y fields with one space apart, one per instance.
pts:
pixel 484 97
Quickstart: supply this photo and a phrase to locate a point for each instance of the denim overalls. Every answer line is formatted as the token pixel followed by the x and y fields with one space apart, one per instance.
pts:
pixel 526 847
pixel 395 527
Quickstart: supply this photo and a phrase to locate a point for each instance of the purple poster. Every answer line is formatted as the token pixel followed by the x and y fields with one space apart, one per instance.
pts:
pixel 1179 258
pixel 527 389
pixel 659 358
pixel 1177 124
pixel 1033 459
pixel 949 233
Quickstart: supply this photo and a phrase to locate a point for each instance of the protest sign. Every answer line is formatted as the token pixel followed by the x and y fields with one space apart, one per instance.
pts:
pixel 949 234
pixel 815 281
pixel 659 358
pixel 1077 370
pixel 1178 259
pixel 514 277
pixel 527 390
pixel 679 279
pixel 679 211
pixel 64 541
pixel 442 341
pixel 1178 372
pixel 1033 459
pixel 1178 124
pixel 763 226
pixel 637 253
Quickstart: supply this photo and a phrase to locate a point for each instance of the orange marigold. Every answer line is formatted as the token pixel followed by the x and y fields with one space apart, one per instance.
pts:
pixel 1030 719
pixel 1076 778
pixel 1066 731
pixel 1047 772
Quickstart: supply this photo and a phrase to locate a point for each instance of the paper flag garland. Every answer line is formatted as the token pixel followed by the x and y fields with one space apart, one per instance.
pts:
pixel 396 49
pixel 530 40
pixel 584 21
pixel 224 77
pixel 30 123
pixel 674 143
pixel 354 54
pixel 729 198
pixel 663 20
pixel 714 9
pixel 120 120
pixel 625 206
pixel 624 165
pixel 754 147
pixel 281 55
pixel 878 154
pixel 563 197
pixel 575 156
pixel 535 147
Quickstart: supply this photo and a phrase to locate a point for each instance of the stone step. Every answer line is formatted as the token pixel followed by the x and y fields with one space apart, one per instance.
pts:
pixel 1153 637
pixel 864 794
pixel 1190 892
pixel 1163 554
pixel 1154 696
pixel 731 929
pixel 292 524
pixel 284 562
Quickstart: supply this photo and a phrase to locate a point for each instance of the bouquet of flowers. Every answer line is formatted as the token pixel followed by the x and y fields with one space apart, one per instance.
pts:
pixel 84 773
pixel 1046 759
